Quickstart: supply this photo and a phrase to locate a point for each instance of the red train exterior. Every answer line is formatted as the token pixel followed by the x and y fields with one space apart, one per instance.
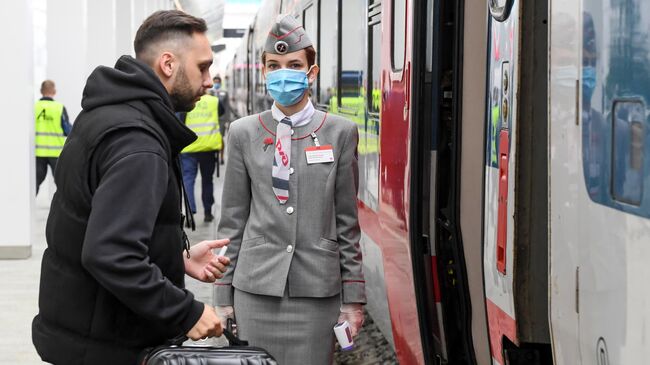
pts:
pixel 369 78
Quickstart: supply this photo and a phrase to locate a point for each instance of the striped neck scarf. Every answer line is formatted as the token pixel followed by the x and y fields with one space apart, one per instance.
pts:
pixel 282 160
pixel 281 172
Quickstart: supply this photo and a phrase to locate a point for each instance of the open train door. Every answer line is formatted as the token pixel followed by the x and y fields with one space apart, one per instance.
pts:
pixel 437 243
pixel 515 252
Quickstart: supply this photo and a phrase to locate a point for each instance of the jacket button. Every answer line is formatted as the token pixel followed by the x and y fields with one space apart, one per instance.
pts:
pixel 290 210
pixel 292 131
pixel 291 171
pixel 289 249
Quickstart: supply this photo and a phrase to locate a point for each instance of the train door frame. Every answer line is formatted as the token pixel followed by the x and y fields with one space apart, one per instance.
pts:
pixel 531 194
pixel 438 260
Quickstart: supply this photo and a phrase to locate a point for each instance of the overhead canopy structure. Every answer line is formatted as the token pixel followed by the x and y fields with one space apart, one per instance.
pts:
pixel 210 10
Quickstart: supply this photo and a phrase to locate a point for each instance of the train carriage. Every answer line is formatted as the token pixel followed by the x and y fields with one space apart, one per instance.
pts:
pixel 502 169
pixel 598 173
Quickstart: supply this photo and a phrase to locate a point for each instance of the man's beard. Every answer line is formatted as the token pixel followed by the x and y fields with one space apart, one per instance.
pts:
pixel 182 96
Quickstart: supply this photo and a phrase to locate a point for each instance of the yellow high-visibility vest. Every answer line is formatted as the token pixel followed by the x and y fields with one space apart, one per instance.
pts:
pixel 50 138
pixel 496 111
pixel 204 121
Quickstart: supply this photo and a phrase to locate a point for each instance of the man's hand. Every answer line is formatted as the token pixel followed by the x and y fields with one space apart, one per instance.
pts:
pixel 353 313
pixel 204 265
pixel 209 325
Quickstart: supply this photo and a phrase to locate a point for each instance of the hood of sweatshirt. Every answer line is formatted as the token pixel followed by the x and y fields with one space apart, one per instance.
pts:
pixel 133 80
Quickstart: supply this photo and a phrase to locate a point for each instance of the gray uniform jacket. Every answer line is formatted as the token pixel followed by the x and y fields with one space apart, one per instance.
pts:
pixel 310 245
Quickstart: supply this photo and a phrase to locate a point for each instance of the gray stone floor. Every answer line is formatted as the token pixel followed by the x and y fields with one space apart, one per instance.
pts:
pixel 19 280
pixel 19 291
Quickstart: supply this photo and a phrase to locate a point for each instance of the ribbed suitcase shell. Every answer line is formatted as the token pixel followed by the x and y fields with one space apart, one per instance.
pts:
pixel 195 355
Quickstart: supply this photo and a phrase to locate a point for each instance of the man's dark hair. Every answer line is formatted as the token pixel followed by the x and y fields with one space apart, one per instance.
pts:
pixel 162 26
pixel 214 79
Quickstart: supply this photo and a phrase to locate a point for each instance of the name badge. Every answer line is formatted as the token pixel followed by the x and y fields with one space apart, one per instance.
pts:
pixel 319 154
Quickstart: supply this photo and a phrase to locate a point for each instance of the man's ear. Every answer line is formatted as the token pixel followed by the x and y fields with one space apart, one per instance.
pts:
pixel 167 62
pixel 313 73
pixel 264 72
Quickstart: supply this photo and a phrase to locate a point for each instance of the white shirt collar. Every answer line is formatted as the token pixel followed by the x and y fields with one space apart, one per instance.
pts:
pixel 299 119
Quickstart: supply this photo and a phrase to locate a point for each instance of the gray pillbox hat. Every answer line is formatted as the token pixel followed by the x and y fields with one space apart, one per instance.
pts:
pixel 286 36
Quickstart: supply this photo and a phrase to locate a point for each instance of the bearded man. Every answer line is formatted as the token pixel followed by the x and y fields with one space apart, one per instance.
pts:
pixel 112 278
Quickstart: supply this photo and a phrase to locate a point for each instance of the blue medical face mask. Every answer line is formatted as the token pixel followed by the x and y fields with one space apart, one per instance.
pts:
pixel 287 86
pixel 216 86
pixel 588 82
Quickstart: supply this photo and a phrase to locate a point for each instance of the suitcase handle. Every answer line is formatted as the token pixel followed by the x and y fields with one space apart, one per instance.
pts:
pixel 233 340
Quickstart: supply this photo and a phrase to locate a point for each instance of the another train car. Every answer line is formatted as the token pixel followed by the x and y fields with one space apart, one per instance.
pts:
pixel 502 160
pixel 599 149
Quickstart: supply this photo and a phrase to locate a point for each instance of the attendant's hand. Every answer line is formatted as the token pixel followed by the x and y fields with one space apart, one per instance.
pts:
pixel 204 265
pixel 225 312
pixel 209 325
pixel 353 313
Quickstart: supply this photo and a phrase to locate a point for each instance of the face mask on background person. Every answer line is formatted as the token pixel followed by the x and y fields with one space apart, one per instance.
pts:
pixel 287 86
pixel 589 78
pixel 216 86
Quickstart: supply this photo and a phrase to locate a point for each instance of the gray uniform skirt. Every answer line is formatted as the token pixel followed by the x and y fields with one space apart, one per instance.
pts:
pixel 296 331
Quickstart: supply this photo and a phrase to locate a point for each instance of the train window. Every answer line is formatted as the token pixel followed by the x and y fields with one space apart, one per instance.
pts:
pixel 310 23
pixel 627 151
pixel 235 75
pixel 353 42
pixel 369 133
pixel 399 34
pixel 374 87
pixel 327 57
pixel 429 55
pixel 287 5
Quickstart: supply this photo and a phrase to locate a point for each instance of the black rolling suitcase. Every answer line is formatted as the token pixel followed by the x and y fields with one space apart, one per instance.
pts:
pixel 238 353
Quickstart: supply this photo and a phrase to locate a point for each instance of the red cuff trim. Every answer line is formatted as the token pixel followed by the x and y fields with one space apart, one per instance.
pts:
pixel 353 281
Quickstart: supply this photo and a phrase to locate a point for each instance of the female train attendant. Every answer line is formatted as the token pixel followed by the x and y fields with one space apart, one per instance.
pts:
pixel 289 209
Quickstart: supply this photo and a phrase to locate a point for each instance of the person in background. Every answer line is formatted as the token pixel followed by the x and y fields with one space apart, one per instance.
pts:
pixel 202 154
pixel 113 274
pixel 52 126
pixel 289 208
pixel 216 83
pixel 226 118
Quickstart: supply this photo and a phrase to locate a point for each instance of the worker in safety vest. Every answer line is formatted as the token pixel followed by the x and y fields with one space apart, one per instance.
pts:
pixel 202 154
pixel 52 126
pixel 226 117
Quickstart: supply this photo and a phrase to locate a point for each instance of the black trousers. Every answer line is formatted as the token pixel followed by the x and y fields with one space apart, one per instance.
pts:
pixel 205 162
pixel 41 169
